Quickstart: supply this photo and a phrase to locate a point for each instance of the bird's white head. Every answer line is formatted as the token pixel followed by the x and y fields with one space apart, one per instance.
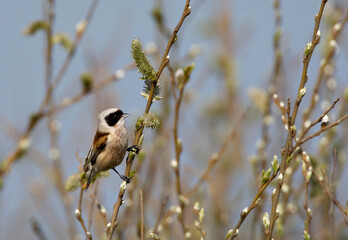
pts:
pixel 109 118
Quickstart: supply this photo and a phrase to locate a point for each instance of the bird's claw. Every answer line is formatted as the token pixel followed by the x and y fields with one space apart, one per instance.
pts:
pixel 134 148
pixel 125 178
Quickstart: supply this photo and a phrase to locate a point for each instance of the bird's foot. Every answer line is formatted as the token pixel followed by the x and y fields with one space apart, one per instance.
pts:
pixel 134 148
pixel 123 177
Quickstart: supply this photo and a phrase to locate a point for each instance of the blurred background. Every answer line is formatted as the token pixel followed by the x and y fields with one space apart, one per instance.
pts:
pixel 243 51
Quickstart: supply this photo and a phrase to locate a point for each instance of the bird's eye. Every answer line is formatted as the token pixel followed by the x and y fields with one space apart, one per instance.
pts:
pixel 112 118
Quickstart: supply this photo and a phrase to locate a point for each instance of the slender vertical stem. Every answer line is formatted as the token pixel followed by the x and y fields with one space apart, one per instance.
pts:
pixel 6 164
pixel 141 215
pixel 307 58
pixel 178 149
pixel 288 146
pixel 139 132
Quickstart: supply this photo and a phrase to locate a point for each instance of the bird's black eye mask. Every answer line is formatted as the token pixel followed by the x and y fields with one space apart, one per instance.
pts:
pixel 113 118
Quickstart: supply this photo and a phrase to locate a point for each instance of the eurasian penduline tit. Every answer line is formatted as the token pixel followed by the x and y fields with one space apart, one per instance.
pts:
pixel 109 145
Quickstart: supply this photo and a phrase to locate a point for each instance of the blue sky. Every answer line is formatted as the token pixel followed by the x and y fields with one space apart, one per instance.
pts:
pixel 107 40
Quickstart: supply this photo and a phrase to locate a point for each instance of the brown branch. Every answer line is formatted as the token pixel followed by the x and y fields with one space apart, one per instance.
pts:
pixel 160 216
pixel 139 132
pixel 141 215
pixel 325 185
pixel 98 86
pixel 307 57
pixel 234 231
pixel 318 120
pixel 335 33
pixel 6 164
pixel 78 213
pixel 323 129
pixel 102 212
pixel 307 173
pixel 273 83
pixel 22 145
pixel 286 151
pixel 178 150
pixel 50 15
pixel 93 195
pixel 172 81
pixel 80 219
pixel 78 36
pixel 333 192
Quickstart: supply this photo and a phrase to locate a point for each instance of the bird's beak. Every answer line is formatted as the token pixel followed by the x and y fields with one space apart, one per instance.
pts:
pixel 125 115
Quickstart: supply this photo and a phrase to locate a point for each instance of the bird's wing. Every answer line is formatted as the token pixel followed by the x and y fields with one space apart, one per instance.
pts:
pixel 98 146
pixel 89 167
pixel 92 156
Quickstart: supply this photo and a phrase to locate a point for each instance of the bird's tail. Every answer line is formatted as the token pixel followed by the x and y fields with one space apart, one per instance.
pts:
pixel 89 173
pixel 90 177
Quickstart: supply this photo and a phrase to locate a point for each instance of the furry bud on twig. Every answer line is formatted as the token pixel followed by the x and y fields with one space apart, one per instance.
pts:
pixel 307 50
pixel 325 121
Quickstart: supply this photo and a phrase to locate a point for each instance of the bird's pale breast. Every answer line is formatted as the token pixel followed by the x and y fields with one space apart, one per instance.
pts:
pixel 115 150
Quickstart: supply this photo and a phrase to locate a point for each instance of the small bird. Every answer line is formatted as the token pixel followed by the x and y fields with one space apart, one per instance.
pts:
pixel 109 145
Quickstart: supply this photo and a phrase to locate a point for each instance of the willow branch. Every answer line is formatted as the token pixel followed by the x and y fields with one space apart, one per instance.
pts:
pixel 141 215
pixel 318 120
pixel 335 34
pixel 307 58
pixel 323 129
pixel 78 215
pixel 160 216
pixel 325 185
pixel 233 233
pixel 22 143
pixel 288 146
pixel 21 148
pixel 79 34
pixel 139 132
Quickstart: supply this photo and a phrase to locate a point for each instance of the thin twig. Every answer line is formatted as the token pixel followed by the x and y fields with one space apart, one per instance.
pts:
pixel 102 212
pixel 56 161
pixel 93 195
pixel 50 15
pixel 325 185
pixel 330 53
pixel 234 231
pixel 69 101
pixel 178 150
pixel 307 173
pixel 307 58
pixel 79 206
pixel 273 83
pixel 323 129
pixel 79 34
pixel 139 132
pixel 6 164
pixel 333 192
pixel 286 152
pixel 306 129
pixel 160 216
pixel 141 215
pixel 78 214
